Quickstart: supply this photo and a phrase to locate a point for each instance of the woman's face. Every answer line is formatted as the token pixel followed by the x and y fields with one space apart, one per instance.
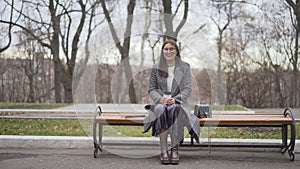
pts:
pixel 169 52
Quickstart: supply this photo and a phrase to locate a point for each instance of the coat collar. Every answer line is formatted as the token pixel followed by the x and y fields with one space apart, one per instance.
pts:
pixel 178 75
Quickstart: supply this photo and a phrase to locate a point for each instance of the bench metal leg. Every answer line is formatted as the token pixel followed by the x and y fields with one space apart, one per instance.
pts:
pixel 291 146
pixel 100 134
pixel 97 147
pixel 192 140
pixel 284 137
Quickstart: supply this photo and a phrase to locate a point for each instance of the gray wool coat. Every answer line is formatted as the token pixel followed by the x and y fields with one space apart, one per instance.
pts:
pixel 181 90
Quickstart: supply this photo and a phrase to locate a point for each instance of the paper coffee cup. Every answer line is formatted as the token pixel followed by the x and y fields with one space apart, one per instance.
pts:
pixel 167 95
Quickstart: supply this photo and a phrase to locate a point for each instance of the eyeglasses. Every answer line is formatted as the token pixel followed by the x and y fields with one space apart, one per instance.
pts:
pixel 169 49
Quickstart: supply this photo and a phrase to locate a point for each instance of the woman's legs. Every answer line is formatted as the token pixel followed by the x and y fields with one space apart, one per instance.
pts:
pixel 164 155
pixel 173 114
pixel 174 159
pixel 165 124
pixel 162 126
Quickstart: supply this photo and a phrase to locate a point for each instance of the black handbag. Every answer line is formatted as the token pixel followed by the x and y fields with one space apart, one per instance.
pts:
pixel 202 111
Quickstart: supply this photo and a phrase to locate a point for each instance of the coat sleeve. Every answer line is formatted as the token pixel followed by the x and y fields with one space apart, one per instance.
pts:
pixel 185 86
pixel 153 89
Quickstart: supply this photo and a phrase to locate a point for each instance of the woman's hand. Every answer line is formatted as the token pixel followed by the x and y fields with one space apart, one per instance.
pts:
pixel 167 101
pixel 170 101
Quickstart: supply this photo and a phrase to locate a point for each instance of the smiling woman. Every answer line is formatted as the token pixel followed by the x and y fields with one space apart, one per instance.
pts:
pixel 170 86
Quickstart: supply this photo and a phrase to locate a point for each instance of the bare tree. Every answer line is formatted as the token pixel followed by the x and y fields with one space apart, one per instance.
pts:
pixel 66 35
pixel 224 10
pixel 294 53
pixel 123 48
pixel 275 39
pixel 52 33
pixel 33 67
pixel 148 7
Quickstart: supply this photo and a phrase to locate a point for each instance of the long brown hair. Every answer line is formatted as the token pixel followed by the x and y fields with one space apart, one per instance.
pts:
pixel 163 66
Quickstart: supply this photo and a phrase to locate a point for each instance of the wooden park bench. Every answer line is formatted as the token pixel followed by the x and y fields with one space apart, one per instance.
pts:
pixel 285 121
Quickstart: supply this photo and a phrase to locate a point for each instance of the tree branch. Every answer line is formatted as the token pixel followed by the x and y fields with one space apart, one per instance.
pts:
pixel 9 30
pixel 111 26
pixel 186 8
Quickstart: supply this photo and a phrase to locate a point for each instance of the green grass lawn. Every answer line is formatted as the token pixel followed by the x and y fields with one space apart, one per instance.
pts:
pixel 230 108
pixel 30 105
pixel 41 127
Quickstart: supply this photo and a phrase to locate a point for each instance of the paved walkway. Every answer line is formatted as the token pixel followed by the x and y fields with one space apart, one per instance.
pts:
pixel 190 159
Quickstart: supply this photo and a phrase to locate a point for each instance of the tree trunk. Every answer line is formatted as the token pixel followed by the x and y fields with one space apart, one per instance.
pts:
pixel 2 89
pixel 168 17
pixel 55 52
pixel 31 98
pixel 67 84
pixel 294 90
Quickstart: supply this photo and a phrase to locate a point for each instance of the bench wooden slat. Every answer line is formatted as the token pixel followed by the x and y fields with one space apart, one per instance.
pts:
pixel 129 112
pixel 120 120
pixel 225 119
pixel 235 121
